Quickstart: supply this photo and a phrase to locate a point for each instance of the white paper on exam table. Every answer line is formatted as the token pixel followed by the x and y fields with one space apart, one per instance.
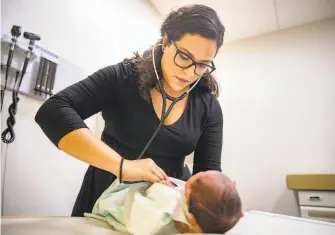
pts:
pixel 55 226
pixel 254 223
pixel 264 223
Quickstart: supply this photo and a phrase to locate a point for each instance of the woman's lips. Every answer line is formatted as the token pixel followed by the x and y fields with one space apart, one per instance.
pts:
pixel 182 79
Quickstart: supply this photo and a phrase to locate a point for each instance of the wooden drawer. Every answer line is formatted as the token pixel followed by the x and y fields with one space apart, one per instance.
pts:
pixel 318 213
pixel 317 198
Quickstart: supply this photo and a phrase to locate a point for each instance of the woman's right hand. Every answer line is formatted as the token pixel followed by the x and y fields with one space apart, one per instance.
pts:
pixel 142 170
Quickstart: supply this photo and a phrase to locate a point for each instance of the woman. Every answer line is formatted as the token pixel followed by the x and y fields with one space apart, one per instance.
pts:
pixel 129 96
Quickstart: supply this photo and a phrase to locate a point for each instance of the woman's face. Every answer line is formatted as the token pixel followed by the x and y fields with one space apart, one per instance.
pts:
pixel 198 48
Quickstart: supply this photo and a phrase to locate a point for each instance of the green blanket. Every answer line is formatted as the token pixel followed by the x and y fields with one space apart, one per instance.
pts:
pixel 139 209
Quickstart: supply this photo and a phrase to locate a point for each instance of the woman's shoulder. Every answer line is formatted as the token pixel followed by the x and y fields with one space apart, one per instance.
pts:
pixel 207 105
pixel 121 71
pixel 206 98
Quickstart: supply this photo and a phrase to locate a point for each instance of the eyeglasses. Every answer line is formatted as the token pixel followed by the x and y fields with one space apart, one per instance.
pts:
pixel 183 60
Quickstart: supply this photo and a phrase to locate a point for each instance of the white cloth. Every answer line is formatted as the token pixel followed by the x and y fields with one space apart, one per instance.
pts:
pixel 137 209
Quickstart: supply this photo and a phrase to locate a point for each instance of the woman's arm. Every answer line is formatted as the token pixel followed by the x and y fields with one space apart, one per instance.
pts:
pixel 207 155
pixel 61 119
pixel 85 146
pixel 65 111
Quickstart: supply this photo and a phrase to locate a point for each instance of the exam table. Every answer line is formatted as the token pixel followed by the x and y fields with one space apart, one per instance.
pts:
pixel 254 223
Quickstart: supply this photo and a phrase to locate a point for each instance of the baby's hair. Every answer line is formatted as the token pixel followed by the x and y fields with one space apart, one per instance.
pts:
pixel 215 203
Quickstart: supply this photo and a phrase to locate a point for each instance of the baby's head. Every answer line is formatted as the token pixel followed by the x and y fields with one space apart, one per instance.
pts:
pixel 213 201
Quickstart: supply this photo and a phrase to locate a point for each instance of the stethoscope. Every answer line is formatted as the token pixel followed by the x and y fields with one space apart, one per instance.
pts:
pixel 165 96
pixel 164 114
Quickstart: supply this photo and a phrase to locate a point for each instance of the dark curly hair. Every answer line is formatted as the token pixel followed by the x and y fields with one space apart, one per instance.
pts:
pixel 190 19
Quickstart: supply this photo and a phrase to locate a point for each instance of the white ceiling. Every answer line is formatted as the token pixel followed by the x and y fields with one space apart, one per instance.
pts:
pixel 248 18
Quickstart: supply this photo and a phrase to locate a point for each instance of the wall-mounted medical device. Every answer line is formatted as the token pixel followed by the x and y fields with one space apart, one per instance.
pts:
pixel 44 73
pixel 40 72
pixel 29 69
pixel 46 77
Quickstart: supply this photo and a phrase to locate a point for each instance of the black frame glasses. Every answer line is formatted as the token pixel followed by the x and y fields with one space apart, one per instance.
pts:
pixel 210 68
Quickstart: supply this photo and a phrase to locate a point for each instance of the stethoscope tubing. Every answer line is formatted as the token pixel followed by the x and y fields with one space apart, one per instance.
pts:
pixel 164 114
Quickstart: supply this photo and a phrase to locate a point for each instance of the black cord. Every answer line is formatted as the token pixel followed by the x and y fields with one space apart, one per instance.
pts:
pixel 5 87
pixel 164 115
pixel 8 135
pixel 153 136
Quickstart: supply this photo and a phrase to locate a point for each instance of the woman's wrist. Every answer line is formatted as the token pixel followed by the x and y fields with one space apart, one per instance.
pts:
pixel 114 166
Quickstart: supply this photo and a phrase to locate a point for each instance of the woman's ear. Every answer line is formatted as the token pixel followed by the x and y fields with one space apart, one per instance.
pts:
pixel 165 41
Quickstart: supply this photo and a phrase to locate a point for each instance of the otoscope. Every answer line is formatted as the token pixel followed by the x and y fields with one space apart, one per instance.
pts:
pixel 13 107
pixel 16 32
pixel 32 37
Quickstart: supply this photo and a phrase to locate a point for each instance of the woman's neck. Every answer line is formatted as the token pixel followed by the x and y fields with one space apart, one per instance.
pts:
pixel 168 90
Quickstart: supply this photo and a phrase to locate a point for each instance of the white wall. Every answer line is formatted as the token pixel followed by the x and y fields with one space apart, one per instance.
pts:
pixel 278 99
pixel 249 18
pixel 91 33
pixel 40 180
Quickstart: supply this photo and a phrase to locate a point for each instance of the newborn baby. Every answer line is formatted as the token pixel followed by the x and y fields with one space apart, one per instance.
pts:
pixel 207 203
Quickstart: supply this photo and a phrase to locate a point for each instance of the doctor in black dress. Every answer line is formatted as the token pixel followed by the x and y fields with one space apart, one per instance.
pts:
pixel 130 101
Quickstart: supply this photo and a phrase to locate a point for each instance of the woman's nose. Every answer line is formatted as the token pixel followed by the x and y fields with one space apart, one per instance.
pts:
pixel 189 72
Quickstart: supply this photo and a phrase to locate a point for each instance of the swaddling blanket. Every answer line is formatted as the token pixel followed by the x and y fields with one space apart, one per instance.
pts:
pixel 140 208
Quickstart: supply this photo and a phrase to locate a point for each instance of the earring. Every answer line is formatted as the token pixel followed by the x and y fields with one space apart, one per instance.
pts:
pixel 163 48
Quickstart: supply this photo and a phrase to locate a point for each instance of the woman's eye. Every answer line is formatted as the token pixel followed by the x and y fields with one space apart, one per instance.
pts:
pixel 183 57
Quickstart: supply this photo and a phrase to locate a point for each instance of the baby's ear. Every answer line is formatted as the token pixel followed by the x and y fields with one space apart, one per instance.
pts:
pixel 193 223
pixel 188 195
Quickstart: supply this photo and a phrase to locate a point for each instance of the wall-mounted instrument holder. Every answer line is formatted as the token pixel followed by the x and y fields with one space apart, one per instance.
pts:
pixel 33 71
pixel 8 135
pixel 38 81
pixel 45 77
pixel 15 60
